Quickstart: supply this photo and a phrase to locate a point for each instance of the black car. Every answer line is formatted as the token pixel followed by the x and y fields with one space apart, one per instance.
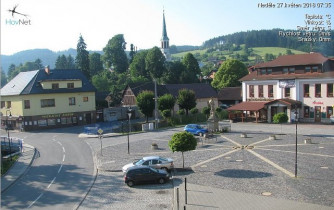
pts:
pixel 144 174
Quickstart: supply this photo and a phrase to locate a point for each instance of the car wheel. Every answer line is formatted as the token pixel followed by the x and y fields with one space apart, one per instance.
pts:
pixel 130 183
pixel 161 180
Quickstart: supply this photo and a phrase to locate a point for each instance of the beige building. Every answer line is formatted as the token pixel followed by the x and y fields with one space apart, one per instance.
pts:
pixel 47 99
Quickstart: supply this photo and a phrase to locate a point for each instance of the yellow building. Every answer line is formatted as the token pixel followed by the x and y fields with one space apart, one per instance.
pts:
pixel 47 99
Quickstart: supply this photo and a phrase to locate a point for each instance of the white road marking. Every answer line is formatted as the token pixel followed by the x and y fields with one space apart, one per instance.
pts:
pixel 272 163
pixel 302 153
pixel 64 149
pixel 214 158
pixel 63 157
pixel 36 200
pixel 230 140
pixel 52 182
pixel 258 142
pixel 60 168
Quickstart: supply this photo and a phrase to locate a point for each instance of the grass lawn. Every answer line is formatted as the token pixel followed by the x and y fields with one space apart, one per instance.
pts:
pixel 7 163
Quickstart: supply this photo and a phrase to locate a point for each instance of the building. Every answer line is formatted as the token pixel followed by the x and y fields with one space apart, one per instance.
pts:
pixel 230 96
pixel 165 40
pixel 301 84
pixel 48 99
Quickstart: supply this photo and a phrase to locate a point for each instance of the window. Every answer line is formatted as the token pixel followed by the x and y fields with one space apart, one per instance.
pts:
pixel 306 111
pixel 51 121
pixel 251 91
pixel 270 91
pixel 318 90
pixel 263 71
pixel 85 99
pixel 48 103
pixel 2 104
pixel 27 104
pixel 287 92
pixel 315 69
pixel 307 69
pixel 306 90
pixel 55 85
pixel 8 104
pixel 269 71
pixel 260 91
pixel 70 85
pixel 71 101
pixel 285 70
pixel 329 111
pixel 291 70
pixel 330 90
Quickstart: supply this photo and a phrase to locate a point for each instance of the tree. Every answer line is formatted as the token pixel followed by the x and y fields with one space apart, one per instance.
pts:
pixel 61 62
pixel 186 99
pixel 192 70
pixel 132 52
pixel 38 64
pixel 166 102
pixel 173 72
pixel 206 110
pixel 138 66
pixel 95 63
pixel 82 59
pixel 3 78
pixel 114 54
pixel 155 62
pixel 182 142
pixel 145 103
pixel 280 118
pixel 101 81
pixel 70 62
pixel 229 73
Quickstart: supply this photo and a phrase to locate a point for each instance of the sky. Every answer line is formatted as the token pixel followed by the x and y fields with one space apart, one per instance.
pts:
pixel 57 24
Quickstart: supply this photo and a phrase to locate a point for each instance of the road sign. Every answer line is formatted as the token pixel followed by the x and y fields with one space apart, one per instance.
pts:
pixel 100 131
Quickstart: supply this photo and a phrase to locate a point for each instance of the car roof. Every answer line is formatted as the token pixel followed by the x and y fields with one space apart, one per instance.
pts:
pixel 137 167
pixel 151 157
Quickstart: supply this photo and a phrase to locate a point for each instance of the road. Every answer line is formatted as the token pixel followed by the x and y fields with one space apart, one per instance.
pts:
pixel 60 176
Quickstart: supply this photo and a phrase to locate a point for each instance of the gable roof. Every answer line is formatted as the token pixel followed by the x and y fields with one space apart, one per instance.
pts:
pixel 139 87
pixel 230 93
pixel 18 83
pixel 202 90
pixel 294 60
pixel 248 106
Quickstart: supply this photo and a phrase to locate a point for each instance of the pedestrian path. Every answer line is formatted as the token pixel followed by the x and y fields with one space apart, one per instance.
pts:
pixel 19 168
pixel 202 197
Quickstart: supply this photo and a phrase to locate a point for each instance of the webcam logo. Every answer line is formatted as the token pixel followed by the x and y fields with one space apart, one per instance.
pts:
pixel 13 11
pixel 21 21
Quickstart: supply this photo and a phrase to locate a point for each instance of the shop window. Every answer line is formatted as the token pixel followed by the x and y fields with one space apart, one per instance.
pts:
pixel 55 86
pixel 330 90
pixel 251 91
pixel 287 92
pixel 27 104
pixel 70 85
pixel 51 121
pixel 329 112
pixel 48 103
pixel 306 90
pixel 260 91
pixel 85 99
pixel 317 90
pixel 71 101
pixel 270 91
pixel 63 120
pixel 42 123
pixel 306 111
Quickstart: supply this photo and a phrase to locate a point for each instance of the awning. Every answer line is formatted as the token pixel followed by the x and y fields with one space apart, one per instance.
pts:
pixel 248 106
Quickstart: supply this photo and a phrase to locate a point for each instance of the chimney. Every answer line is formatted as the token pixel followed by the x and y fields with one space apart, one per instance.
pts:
pixel 47 69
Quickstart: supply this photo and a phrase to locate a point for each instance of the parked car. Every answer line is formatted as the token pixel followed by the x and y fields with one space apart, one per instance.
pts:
pixel 195 129
pixel 152 161
pixel 145 174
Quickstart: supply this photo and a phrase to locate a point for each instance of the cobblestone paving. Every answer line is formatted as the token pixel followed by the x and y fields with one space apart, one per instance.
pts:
pixel 218 164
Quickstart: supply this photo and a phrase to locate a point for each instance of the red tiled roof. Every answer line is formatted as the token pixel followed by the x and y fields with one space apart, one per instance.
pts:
pixel 248 106
pixel 295 60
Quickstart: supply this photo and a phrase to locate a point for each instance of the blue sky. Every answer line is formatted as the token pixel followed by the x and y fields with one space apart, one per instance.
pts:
pixel 57 24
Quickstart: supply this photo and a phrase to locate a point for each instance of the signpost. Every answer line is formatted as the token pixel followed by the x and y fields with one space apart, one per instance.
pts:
pixel 100 132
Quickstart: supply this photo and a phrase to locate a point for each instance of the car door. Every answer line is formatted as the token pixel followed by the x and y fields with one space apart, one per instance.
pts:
pixel 192 129
pixel 156 163
pixel 147 175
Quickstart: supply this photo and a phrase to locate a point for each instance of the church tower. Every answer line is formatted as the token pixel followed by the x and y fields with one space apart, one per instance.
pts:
pixel 165 40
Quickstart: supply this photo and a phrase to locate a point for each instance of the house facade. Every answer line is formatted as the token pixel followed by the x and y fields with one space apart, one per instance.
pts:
pixel 294 84
pixel 47 98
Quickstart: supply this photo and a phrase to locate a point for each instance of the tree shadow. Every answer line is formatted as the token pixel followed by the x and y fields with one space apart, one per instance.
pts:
pixel 240 173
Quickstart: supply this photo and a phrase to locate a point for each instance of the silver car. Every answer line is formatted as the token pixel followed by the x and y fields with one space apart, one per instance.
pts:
pixel 152 161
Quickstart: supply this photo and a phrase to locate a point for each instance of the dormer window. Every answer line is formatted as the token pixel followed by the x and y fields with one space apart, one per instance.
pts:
pixel 315 69
pixel 269 71
pixel 55 85
pixel 263 71
pixel 291 70
pixel 285 70
pixel 307 69
pixel 70 85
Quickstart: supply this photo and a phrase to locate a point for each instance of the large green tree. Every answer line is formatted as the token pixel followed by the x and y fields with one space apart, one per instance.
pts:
pixel 229 73
pixel 186 99
pixel 70 62
pixel 82 58
pixel 192 70
pixel 114 54
pixel 173 72
pixel 3 78
pixel 166 102
pixel 182 142
pixel 61 62
pixel 95 63
pixel 155 61
pixel 145 103
pixel 138 66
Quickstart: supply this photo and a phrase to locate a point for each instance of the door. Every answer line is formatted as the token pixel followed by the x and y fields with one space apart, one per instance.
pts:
pixel 317 114
pixel 273 112
pixel 88 118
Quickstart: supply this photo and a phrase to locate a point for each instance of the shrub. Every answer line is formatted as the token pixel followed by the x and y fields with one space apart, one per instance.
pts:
pixel 181 112
pixel 166 113
pixel 194 111
pixel 280 118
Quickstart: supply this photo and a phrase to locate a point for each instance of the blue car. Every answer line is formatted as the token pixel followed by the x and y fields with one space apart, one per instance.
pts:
pixel 195 129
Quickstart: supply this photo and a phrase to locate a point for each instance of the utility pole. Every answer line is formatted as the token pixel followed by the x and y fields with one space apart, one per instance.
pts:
pixel 155 104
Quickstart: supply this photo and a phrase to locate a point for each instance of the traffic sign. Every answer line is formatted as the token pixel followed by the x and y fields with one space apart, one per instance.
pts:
pixel 100 131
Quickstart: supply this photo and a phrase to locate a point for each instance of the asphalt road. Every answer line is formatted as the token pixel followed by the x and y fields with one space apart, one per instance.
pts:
pixel 59 177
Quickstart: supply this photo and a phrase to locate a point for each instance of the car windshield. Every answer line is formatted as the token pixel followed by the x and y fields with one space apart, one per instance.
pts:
pixel 139 162
pixel 198 127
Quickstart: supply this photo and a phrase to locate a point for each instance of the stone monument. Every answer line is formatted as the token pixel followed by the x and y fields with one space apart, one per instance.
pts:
pixel 213 120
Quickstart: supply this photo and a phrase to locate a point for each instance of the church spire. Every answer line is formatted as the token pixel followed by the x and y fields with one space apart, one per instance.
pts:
pixel 165 39
pixel 164 30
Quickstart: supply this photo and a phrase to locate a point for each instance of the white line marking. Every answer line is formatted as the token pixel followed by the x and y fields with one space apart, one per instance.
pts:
pixel 64 149
pixel 258 142
pixel 272 163
pixel 63 157
pixel 51 182
pixel 59 143
pixel 36 200
pixel 60 168
pixel 302 153
pixel 230 140
pixel 214 158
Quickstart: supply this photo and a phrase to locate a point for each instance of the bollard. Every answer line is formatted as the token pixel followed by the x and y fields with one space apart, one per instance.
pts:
pixel 177 199
pixel 185 190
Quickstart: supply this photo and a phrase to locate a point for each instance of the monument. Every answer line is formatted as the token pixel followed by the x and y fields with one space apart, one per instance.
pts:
pixel 213 120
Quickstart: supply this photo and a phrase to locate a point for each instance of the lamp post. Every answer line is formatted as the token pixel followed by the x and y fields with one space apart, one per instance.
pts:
pixel 296 120
pixel 9 143
pixel 129 115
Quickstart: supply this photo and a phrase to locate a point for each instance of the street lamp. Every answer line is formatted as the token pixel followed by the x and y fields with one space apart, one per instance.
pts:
pixel 7 127
pixel 296 120
pixel 129 115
